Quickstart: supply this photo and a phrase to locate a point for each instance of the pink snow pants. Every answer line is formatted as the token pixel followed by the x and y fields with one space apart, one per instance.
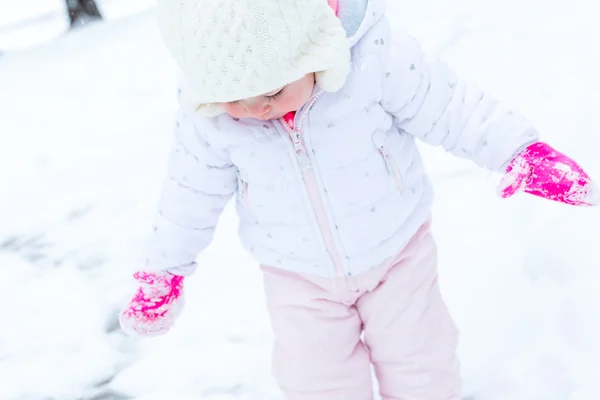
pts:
pixel 408 335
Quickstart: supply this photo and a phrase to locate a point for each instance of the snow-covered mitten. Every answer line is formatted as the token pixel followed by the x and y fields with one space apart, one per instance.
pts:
pixel 156 304
pixel 545 172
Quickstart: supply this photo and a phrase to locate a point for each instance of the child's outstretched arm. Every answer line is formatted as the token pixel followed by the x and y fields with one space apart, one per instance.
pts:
pixel 200 182
pixel 430 102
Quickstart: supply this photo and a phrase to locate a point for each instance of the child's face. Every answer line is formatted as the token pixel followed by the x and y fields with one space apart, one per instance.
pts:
pixel 275 104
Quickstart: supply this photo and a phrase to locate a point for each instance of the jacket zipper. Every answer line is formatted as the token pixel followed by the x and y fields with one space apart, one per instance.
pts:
pixel 310 181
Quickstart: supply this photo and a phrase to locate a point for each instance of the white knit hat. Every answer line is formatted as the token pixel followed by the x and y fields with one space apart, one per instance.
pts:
pixel 236 49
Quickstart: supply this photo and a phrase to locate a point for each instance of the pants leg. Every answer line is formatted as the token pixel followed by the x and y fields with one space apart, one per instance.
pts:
pixel 408 330
pixel 90 7
pixel 318 353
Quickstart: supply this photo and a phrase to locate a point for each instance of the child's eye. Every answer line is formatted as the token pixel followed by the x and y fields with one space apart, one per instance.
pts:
pixel 276 95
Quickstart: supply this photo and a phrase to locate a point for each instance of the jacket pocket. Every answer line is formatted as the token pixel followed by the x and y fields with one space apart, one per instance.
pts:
pixel 392 167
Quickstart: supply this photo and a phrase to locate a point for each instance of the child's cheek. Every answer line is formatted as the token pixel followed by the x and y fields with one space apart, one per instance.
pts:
pixel 294 102
pixel 288 104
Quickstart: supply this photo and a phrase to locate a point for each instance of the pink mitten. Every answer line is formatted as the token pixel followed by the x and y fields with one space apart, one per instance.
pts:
pixel 542 171
pixel 155 306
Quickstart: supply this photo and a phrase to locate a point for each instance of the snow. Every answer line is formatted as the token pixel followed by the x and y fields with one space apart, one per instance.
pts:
pixel 85 121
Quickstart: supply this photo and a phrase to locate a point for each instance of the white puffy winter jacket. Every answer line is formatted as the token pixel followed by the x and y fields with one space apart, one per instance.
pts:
pixel 346 190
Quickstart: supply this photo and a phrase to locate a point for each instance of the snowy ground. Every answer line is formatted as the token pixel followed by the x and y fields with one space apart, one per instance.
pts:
pixel 85 122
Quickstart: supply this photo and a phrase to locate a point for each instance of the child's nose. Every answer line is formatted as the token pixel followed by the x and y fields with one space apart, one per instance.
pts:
pixel 259 109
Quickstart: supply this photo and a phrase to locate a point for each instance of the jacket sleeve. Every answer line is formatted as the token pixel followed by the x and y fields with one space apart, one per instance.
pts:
pixel 430 102
pixel 200 181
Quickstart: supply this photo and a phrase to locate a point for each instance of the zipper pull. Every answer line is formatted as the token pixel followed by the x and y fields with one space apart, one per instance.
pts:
pixel 301 155
pixel 303 159
pixel 296 139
